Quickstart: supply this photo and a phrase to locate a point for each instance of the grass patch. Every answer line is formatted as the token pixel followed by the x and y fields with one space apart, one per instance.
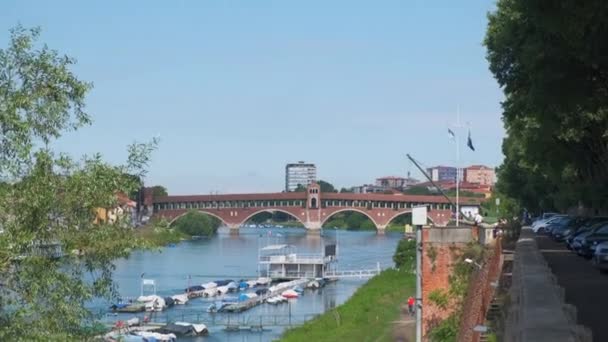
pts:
pixel 367 316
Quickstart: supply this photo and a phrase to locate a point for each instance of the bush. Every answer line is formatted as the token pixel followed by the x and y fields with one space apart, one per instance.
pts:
pixel 405 255
pixel 197 223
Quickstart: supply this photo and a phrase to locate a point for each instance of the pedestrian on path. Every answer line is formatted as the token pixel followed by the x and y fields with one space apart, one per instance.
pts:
pixel 410 305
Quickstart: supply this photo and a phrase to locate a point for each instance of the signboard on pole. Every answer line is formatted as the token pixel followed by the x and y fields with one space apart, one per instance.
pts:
pixel 419 216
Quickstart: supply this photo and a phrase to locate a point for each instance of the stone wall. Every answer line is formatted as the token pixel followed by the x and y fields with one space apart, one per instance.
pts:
pixel 537 311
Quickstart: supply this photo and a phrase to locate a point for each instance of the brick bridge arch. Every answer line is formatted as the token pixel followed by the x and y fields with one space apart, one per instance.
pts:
pixel 311 208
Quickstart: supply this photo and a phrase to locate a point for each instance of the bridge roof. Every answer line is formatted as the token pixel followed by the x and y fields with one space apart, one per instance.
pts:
pixel 398 198
pixel 324 195
pixel 234 197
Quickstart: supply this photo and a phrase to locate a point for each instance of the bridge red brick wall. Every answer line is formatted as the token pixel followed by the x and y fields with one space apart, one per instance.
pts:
pixel 234 217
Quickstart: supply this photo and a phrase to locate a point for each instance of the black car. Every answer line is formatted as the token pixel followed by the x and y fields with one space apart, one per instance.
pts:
pixel 590 242
pixel 560 231
pixel 570 234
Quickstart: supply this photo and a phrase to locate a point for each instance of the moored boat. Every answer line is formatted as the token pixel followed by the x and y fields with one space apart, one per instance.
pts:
pixel 289 294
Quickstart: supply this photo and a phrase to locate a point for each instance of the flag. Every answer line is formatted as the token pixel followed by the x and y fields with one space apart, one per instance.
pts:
pixel 451 134
pixel 470 142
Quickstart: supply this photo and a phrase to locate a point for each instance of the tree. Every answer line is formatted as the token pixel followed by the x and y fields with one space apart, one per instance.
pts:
pixel 159 191
pixel 300 188
pixel 419 190
pixel 405 254
pixel 195 223
pixel 52 198
pixel 345 190
pixel 326 186
pixel 556 108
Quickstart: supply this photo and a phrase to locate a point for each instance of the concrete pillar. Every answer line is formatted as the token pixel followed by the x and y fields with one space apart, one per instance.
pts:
pixel 233 226
pixel 313 225
pixel 380 229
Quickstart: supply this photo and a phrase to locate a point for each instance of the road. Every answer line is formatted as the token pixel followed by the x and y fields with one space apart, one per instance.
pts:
pixel 586 287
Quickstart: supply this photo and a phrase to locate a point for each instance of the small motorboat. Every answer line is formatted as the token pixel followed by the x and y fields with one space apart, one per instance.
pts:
pixel 183 329
pixel 194 288
pixel 221 290
pixel 212 292
pixel 289 294
pixel 223 282
pixel 180 299
pixel 232 286
pixel 313 284
pixel 208 285
pixel 261 291
pixel 153 302
pixel 276 300
pixel 263 281
pixel 128 307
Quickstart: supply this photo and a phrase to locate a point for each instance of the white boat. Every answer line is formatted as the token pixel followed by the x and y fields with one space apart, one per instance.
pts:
pixel 222 290
pixel 212 292
pixel 264 281
pixel 251 295
pixel 252 283
pixel 313 284
pixel 199 329
pixel 157 336
pixel 180 299
pixel 209 285
pixel 153 302
pixel 276 300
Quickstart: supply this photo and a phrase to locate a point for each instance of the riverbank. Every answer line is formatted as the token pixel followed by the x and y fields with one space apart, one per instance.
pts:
pixel 369 315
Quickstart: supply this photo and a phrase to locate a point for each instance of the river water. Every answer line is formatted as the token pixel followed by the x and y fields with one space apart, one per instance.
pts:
pixel 229 256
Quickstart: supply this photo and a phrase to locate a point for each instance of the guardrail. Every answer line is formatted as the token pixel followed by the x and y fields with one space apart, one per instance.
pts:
pixel 537 311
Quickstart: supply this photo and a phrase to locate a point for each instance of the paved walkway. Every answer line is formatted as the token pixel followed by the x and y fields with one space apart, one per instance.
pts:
pixel 586 287
pixel 404 330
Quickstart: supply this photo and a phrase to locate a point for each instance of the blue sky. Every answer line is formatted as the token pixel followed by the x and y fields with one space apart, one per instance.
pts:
pixel 236 89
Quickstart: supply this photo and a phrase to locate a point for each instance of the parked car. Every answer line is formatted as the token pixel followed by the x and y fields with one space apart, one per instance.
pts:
pixel 559 231
pixel 590 241
pixel 571 234
pixel 559 223
pixel 539 226
pixel 600 258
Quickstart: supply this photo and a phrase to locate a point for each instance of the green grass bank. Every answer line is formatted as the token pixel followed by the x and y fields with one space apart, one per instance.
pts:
pixel 367 316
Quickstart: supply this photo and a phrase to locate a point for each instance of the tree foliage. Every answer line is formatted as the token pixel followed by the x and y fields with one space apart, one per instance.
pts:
pixel 51 198
pixel 159 191
pixel 350 220
pixel 326 186
pixel 300 188
pixel 405 254
pixel 195 223
pixel 550 60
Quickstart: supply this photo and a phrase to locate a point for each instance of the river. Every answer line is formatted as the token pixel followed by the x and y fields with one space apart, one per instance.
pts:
pixel 230 256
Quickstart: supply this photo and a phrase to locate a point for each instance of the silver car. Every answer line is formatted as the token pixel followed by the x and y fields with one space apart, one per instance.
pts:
pixel 600 258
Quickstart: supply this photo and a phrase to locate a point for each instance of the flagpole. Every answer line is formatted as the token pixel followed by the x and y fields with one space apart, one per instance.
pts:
pixel 458 167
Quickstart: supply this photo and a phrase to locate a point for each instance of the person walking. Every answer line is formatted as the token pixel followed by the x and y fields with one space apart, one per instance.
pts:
pixel 410 305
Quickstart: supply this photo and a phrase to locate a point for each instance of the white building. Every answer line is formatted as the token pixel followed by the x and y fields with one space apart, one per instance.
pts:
pixel 300 173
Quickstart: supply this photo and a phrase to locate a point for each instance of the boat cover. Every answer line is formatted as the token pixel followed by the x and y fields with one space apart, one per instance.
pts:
pixel 194 288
